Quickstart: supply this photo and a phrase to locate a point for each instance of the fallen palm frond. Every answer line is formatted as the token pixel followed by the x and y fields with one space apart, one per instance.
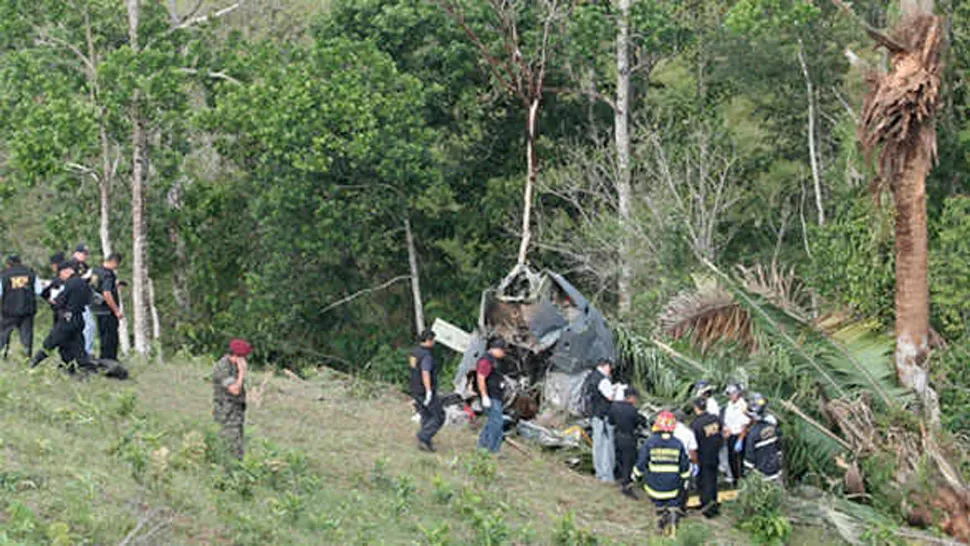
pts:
pixel 782 288
pixel 708 314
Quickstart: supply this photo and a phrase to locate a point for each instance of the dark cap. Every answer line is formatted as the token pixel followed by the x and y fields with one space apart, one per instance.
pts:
pixel 630 392
pixel 113 257
pixel 426 335
pixel 82 248
pixel 13 259
pixel 605 362
pixel 498 343
pixel 57 258
pixel 66 264
pixel 700 403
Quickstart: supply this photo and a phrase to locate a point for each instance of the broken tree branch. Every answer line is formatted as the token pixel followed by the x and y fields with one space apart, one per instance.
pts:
pixel 879 36
pixel 213 75
pixel 363 292
pixel 188 22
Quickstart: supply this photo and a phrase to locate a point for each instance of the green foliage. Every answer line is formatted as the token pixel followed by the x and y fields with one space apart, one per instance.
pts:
pixel 567 533
pixel 950 269
pixel 759 512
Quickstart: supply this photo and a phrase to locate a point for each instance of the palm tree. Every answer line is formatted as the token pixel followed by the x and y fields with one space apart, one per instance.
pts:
pixel 899 120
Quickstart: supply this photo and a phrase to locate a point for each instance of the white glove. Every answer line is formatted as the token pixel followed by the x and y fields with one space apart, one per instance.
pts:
pixel 621 391
pixel 486 402
pixel 695 470
pixel 427 398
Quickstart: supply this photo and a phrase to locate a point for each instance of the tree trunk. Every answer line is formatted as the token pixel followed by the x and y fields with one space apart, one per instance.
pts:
pixel 912 283
pixel 104 188
pixel 532 131
pixel 624 188
pixel 140 284
pixel 180 282
pixel 415 277
pixel 139 142
pixel 812 153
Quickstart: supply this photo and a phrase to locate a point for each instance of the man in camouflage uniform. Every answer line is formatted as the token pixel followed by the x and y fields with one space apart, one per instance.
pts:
pixel 229 394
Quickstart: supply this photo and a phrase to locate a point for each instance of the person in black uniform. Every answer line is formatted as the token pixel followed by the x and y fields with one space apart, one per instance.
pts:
pixel 18 289
pixel 762 446
pixel 710 438
pixel 424 381
pixel 106 309
pixel 56 260
pixel 627 421
pixel 72 297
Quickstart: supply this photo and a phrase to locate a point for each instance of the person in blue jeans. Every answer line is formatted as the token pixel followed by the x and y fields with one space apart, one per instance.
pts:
pixel 489 381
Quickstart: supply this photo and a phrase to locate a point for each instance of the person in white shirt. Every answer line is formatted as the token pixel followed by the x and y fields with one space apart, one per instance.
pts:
pixel 705 391
pixel 687 437
pixel 736 421
pixel 601 393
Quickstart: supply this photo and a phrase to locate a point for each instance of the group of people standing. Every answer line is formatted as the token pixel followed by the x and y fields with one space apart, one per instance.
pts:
pixel 85 302
pixel 677 453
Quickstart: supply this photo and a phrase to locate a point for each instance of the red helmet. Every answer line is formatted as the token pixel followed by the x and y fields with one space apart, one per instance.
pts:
pixel 666 422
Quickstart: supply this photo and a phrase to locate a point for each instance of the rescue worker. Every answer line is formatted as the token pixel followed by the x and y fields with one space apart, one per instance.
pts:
pixel 71 295
pixel 762 451
pixel 707 432
pixel 686 436
pixel 490 388
pixel 56 260
pixel 626 420
pixel 664 465
pixel 424 382
pixel 107 310
pixel 735 422
pixel 79 260
pixel 229 395
pixel 19 288
pixel 600 392
pixel 704 390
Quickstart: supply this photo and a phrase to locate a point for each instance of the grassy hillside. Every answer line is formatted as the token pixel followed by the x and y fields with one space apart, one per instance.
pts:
pixel 331 461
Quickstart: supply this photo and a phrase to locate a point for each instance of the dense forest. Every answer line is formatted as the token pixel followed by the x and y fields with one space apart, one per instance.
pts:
pixel 324 176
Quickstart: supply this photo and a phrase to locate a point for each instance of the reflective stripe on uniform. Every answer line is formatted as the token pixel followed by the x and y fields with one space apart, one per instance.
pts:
pixel 663 468
pixel 773 477
pixel 661 495
pixel 748 465
pixel 686 475
pixel 764 443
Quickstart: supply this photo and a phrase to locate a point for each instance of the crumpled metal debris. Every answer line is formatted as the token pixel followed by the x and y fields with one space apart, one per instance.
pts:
pixel 551 328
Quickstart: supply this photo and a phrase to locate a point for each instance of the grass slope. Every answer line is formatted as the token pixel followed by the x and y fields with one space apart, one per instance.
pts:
pixel 331 461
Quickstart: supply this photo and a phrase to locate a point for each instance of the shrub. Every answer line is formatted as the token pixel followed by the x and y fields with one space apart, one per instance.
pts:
pixel 567 533
pixel 759 512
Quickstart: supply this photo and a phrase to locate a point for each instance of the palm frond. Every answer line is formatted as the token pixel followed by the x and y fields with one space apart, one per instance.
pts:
pixel 649 365
pixel 708 315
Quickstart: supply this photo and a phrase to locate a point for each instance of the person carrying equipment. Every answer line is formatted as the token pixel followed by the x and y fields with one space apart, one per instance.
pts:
pixel 19 288
pixel 424 381
pixel 599 391
pixel 762 450
pixel 664 465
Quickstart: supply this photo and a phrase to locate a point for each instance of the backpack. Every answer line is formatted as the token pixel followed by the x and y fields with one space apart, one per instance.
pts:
pixel 587 399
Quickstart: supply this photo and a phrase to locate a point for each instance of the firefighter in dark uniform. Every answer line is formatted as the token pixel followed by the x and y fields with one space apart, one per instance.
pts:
pixel 665 466
pixel 19 288
pixel 627 421
pixel 762 446
pixel 424 381
pixel 106 308
pixel 710 438
pixel 70 299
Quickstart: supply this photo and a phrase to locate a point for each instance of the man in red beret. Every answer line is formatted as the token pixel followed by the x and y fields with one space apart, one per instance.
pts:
pixel 229 394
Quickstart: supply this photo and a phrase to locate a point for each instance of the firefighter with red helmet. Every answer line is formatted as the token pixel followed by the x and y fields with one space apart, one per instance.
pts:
pixel 664 465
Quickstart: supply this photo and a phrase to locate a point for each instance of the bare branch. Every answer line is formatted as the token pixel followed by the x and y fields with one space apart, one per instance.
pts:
pixel 49 39
pixel 363 292
pixel 214 75
pixel 188 22
pixel 879 36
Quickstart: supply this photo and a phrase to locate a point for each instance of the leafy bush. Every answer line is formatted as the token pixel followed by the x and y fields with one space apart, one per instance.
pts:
pixel 950 269
pixel 759 512
pixel 567 533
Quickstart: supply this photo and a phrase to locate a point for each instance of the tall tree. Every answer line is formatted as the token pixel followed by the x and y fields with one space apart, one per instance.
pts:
pixel 519 59
pixel 899 119
pixel 624 178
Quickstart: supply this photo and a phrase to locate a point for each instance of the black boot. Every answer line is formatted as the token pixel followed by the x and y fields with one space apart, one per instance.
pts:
pixel 38 358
